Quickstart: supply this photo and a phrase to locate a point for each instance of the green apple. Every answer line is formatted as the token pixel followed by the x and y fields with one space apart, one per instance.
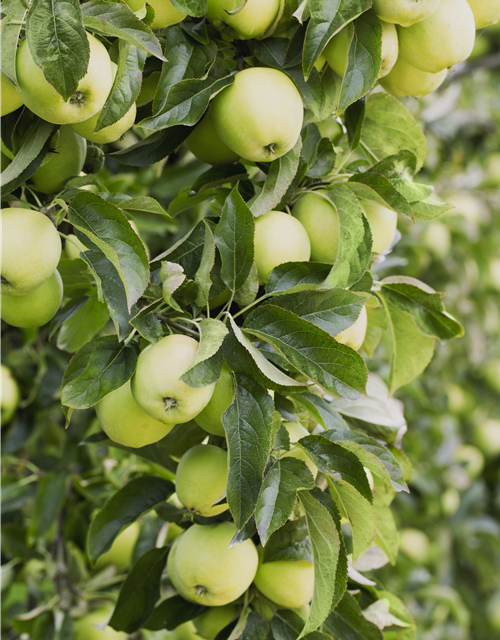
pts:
pixel 201 478
pixel 31 249
pixel 405 80
pixel 437 238
pixel 10 395
pixel 135 5
pixel 204 569
pixel 288 583
pixel 256 17
pixel 9 99
pixel 156 386
pixel 491 374
pixel 493 610
pixel 41 97
pixel 443 39
pixel 260 115
pixel 382 223
pixel 205 144
pixel 321 222
pixel 121 550
pixel 485 12
pixel 220 299
pixel 487 437
pixel 320 63
pixel 165 14
pixel 354 336
pixel 295 432
pixel 173 531
pixel 148 88
pixel 404 12
pixel 471 459
pixel 85 628
pixel 210 418
pixel 5 161
pixel 65 161
pixel 74 247
pixel 212 621
pixel 415 544
pixel 35 308
pixel 279 238
pixel 450 501
pixel 331 128
pixel 185 631
pixel 123 420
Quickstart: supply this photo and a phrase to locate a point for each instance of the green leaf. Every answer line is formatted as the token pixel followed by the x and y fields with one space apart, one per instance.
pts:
pixel 172 612
pixel 49 499
pixel 321 411
pixel 347 621
pixel 399 610
pixel 373 186
pixel 387 532
pixel 202 276
pixel 430 208
pixel 204 369
pixel 278 495
pixel 58 43
pixel 147 324
pixel 188 251
pixel 332 365
pixel 154 148
pixel 11 26
pixel 296 276
pixel 140 591
pixel 247 293
pixel 286 624
pixel 119 21
pixel 194 8
pixel 234 236
pixel 255 628
pixel 290 542
pixel 320 93
pixel 247 423
pixel 137 497
pixel 97 369
pixel 82 326
pixel 142 204
pixel 353 120
pixel 424 304
pixel 323 162
pixel 217 176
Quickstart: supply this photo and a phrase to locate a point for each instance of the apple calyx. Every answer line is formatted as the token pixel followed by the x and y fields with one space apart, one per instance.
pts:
pixel 271 149
pixel 200 590
pixel 170 403
pixel 78 98
pixel 4 280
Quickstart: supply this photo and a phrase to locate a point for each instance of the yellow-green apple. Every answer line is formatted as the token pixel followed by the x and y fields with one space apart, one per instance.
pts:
pixel 156 386
pixel 205 144
pixel 165 14
pixel 404 80
pixel 415 544
pixel 321 222
pixel 121 550
pixel 450 501
pixel 252 21
pixel 485 12
pixel 31 249
pixel 136 6
pixel 443 39
pixel 288 583
pixel 296 431
pixel 210 418
pixel 204 569
pixel 10 395
pixel 260 115
pixel 41 97
pixel 9 99
pixel 354 336
pixel 331 128
pixel 4 161
pixel 470 458
pixel 212 621
pixel 382 223
pixel 148 88
pixel 85 628
pixel 200 479
pixel 404 12
pixel 279 238
pixel 73 247
pixel 123 420
pixel 487 436
pixel 185 631
pixel 35 308
pixel 65 160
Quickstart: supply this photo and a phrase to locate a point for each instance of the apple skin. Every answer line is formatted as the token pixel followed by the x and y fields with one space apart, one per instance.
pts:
pixel 9 99
pixel 210 418
pixel 287 583
pixel 135 5
pixel 331 128
pixel 415 544
pixel 256 17
pixel 84 628
pixel 205 144
pixel 205 570
pixel 321 222
pixel 66 161
pixel 296 431
pixel 201 478
pixel 72 251
pixel 31 250
pixel 10 395
pixel 486 12
pixel 121 550
pixel 487 437
pixel 37 307
pixel 443 39
pixel 354 336
pixel 148 88
pixel 165 14
pixel 471 459
pixel 156 386
pixel 260 115
pixel 404 12
pixel 404 80
pixel 185 631
pixel 209 623
pixel 41 97
pixel 382 221
pixel 279 238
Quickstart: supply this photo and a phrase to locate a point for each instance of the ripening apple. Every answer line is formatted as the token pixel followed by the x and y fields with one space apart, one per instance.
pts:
pixel 85 628
pixel 210 418
pixel 9 395
pixel 185 631
pixel 64 160
pixel 200 479
pixel 73 247
pixel 31 249
pixel 205 144
pixel 156 386
pixel 205 570
pixel 354 336
pixel 165 14
pixel 471 459
pixel 9 99
pixel 35 308
pixel 415 544
pixel 260 115
pixel 485 12
pixel 212 621
pixel 43 100
pixel 296 431
pixel 148 88
pixel 443 39
pixel 279 238
pixel 288 583
pixel 123 420
pixel 256 17
pixel 404 12
pixel 321 221
pixel 121 550
pixel 331 128
pixel 487 437
pixel 382 223
pixel 404 80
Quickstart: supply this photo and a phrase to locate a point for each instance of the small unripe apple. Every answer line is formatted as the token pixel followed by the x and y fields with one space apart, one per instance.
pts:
pixel 331 128
pixel 148 88
pixel 415 544
pixel 288 583
pixel 450 501
pixel 485 12
pixel 404 12
pixel 279 238
pixel 9 98
pixel 85 628
pixel 165 14
pixel 321 222
pixel 382 223
pixel 212 621
pixel 206 146
pixel 121 550
pixel 256 17
pixel 74 247
pixel 471 459
pixel 487 436
pixel 9 395
pixel 37 307
pixel 354 336
pixel 406 80
pixel 210 418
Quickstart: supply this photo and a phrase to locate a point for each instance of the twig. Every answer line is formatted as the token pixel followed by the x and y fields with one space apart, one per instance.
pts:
pixel 176 325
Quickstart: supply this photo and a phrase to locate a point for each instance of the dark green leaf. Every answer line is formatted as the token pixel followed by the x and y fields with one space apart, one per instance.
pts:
pixel 290 542
pixel 354 118
pixel 49 500
pixel 172 612
pixel 83 325
pixel 194 8
pixel 297 276
pixel 324 160
pixel 205 368
pixel 286 624
pixel 216 176
pixel 347 621
pixel 12 24
pixel 202 276
pixel 147 324
pixel 321 411
pixel 188 251
pixel 154 148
